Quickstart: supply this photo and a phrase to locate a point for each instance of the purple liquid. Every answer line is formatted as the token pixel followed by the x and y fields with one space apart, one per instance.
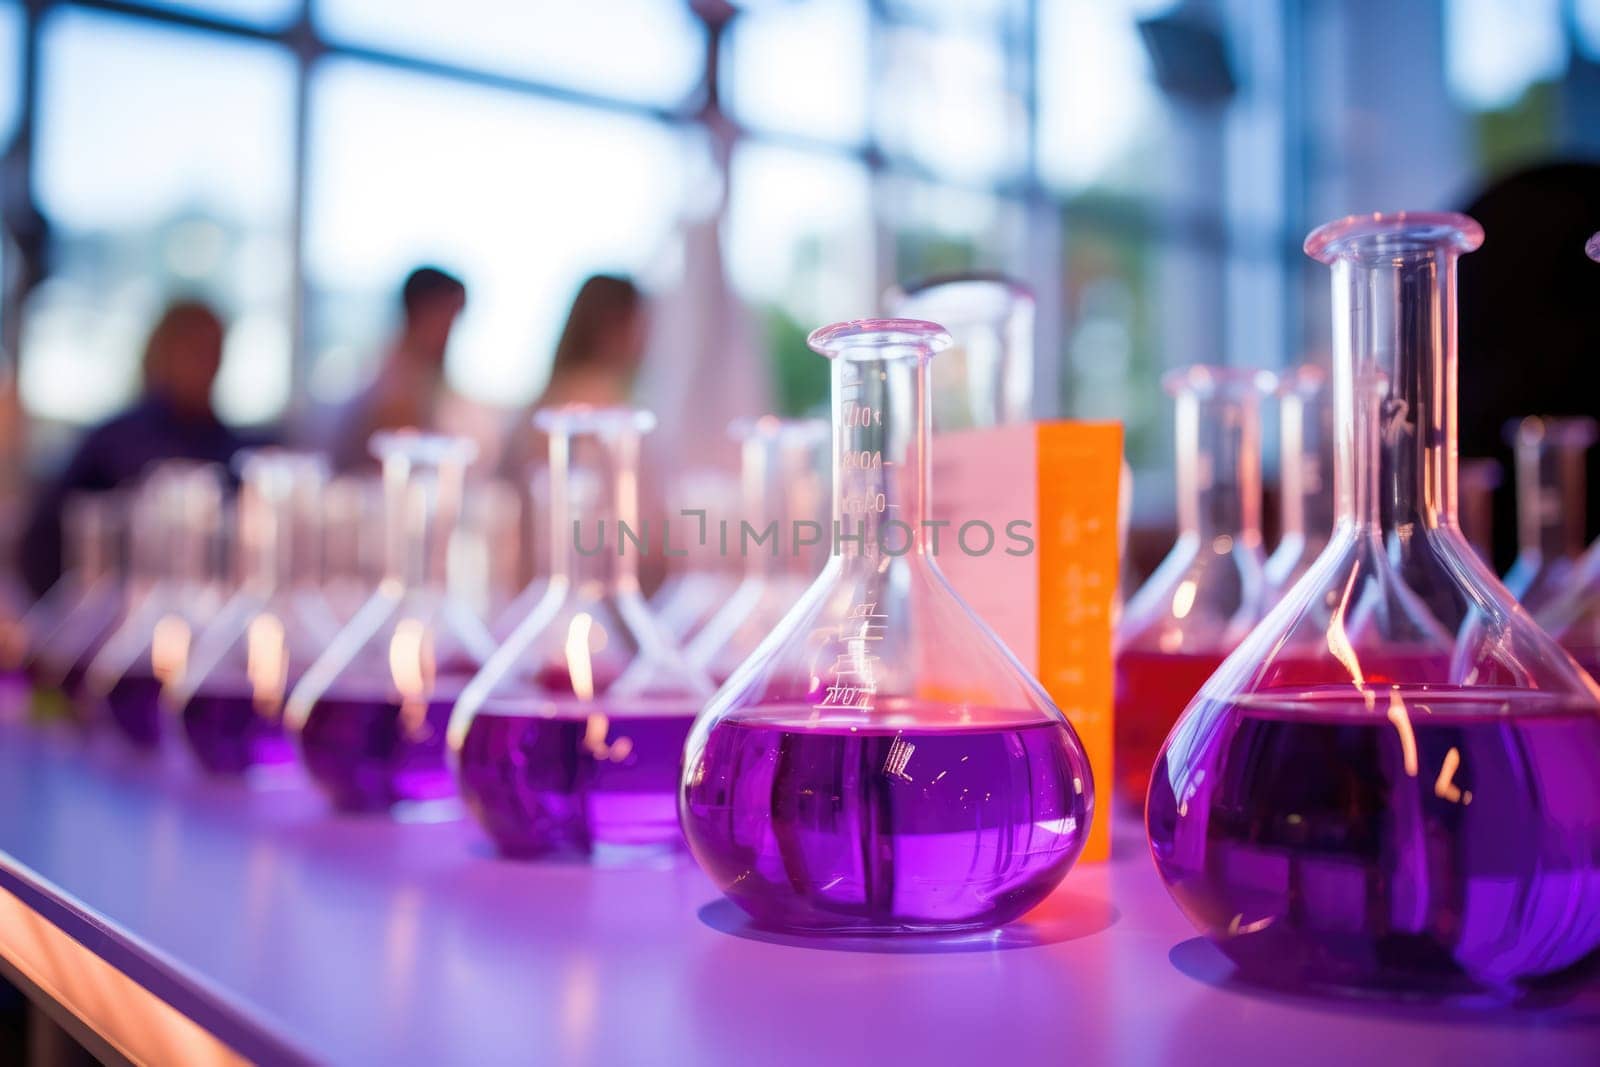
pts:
pixel 370 754
pixel 135 706
pixel 595 774
pixel 1448 848
pixel 822 828
pixel 229 734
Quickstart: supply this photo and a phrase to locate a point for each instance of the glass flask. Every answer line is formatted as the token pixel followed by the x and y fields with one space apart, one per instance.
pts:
pixel 704 578
pixel 486 553
pixel 1574 616
pixel 882 763
pixel 174 588
pixel 1390 784
pixel 1305 461
pixel 985 378
pixel 780 538
pixel 353 541
pixel 571 736
pixel 1210 589
pixel 370 713
pixel 1551 505
pixel 76 616
pixel 1477 481
pixel 231 696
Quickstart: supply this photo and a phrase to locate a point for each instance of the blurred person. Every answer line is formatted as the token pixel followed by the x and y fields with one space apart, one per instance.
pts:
pixel 596 361
pixel 172 419
pixel 410 383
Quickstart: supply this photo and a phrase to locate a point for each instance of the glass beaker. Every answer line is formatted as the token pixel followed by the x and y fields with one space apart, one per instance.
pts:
pixel 883 763
pixel 985 378
pixel 370 714
pixel 1551 505
pixel 703 578
pixel 1390 785
pixel 780 538
pixel 1210 589
pixel 1305 480
pixel 571 736
pixel 76 616
pixel 246 660
pixel 174 588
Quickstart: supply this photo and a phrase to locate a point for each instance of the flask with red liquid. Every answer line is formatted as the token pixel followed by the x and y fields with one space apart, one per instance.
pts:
pixel 882 763
pixel 1210 589
pixel 245 661
pixel 370 713
pixel 570 738
pixel 1391 783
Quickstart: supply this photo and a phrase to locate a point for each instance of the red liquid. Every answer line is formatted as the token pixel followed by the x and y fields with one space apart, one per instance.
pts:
pixel 592 774
pixel 135 707
pixel 1152 689
pixel 1319 841
pixel 370 754
pixel 819 828
pixel 229 734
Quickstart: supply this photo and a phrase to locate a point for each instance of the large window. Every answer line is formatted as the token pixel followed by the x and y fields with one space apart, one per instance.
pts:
pixel 162 162
pixel 522 196
pixel 525 144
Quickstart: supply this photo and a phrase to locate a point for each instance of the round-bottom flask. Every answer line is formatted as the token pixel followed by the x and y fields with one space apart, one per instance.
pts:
pixel 1210 589
pixel 882 763
pixel 69 626
pixel 370 714
pixel 1390 784
pixel 230 699
pixel 174 544
pixel 571 737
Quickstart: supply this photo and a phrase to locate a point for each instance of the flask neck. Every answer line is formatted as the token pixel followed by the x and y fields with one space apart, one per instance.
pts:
pixel 1218 442
pixel 1306 465
pixel 1551 499
pixel 595 535
pixel 422 503
pixel 1394 365
pixel 880 456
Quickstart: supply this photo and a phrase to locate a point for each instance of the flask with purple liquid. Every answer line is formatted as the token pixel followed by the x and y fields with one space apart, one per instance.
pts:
pixel 881 763
pixel 247 658
pixel 370 713
pixel 570 738
pixel 1390 784
pixel 69 625
pixel 175 551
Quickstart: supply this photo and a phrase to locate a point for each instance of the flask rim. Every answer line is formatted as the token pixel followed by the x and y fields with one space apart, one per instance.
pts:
pixel 972 297
pixel 575 419
pixel 874 339
pixel 1205 379
pixel 1384 234
pixel 423 449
